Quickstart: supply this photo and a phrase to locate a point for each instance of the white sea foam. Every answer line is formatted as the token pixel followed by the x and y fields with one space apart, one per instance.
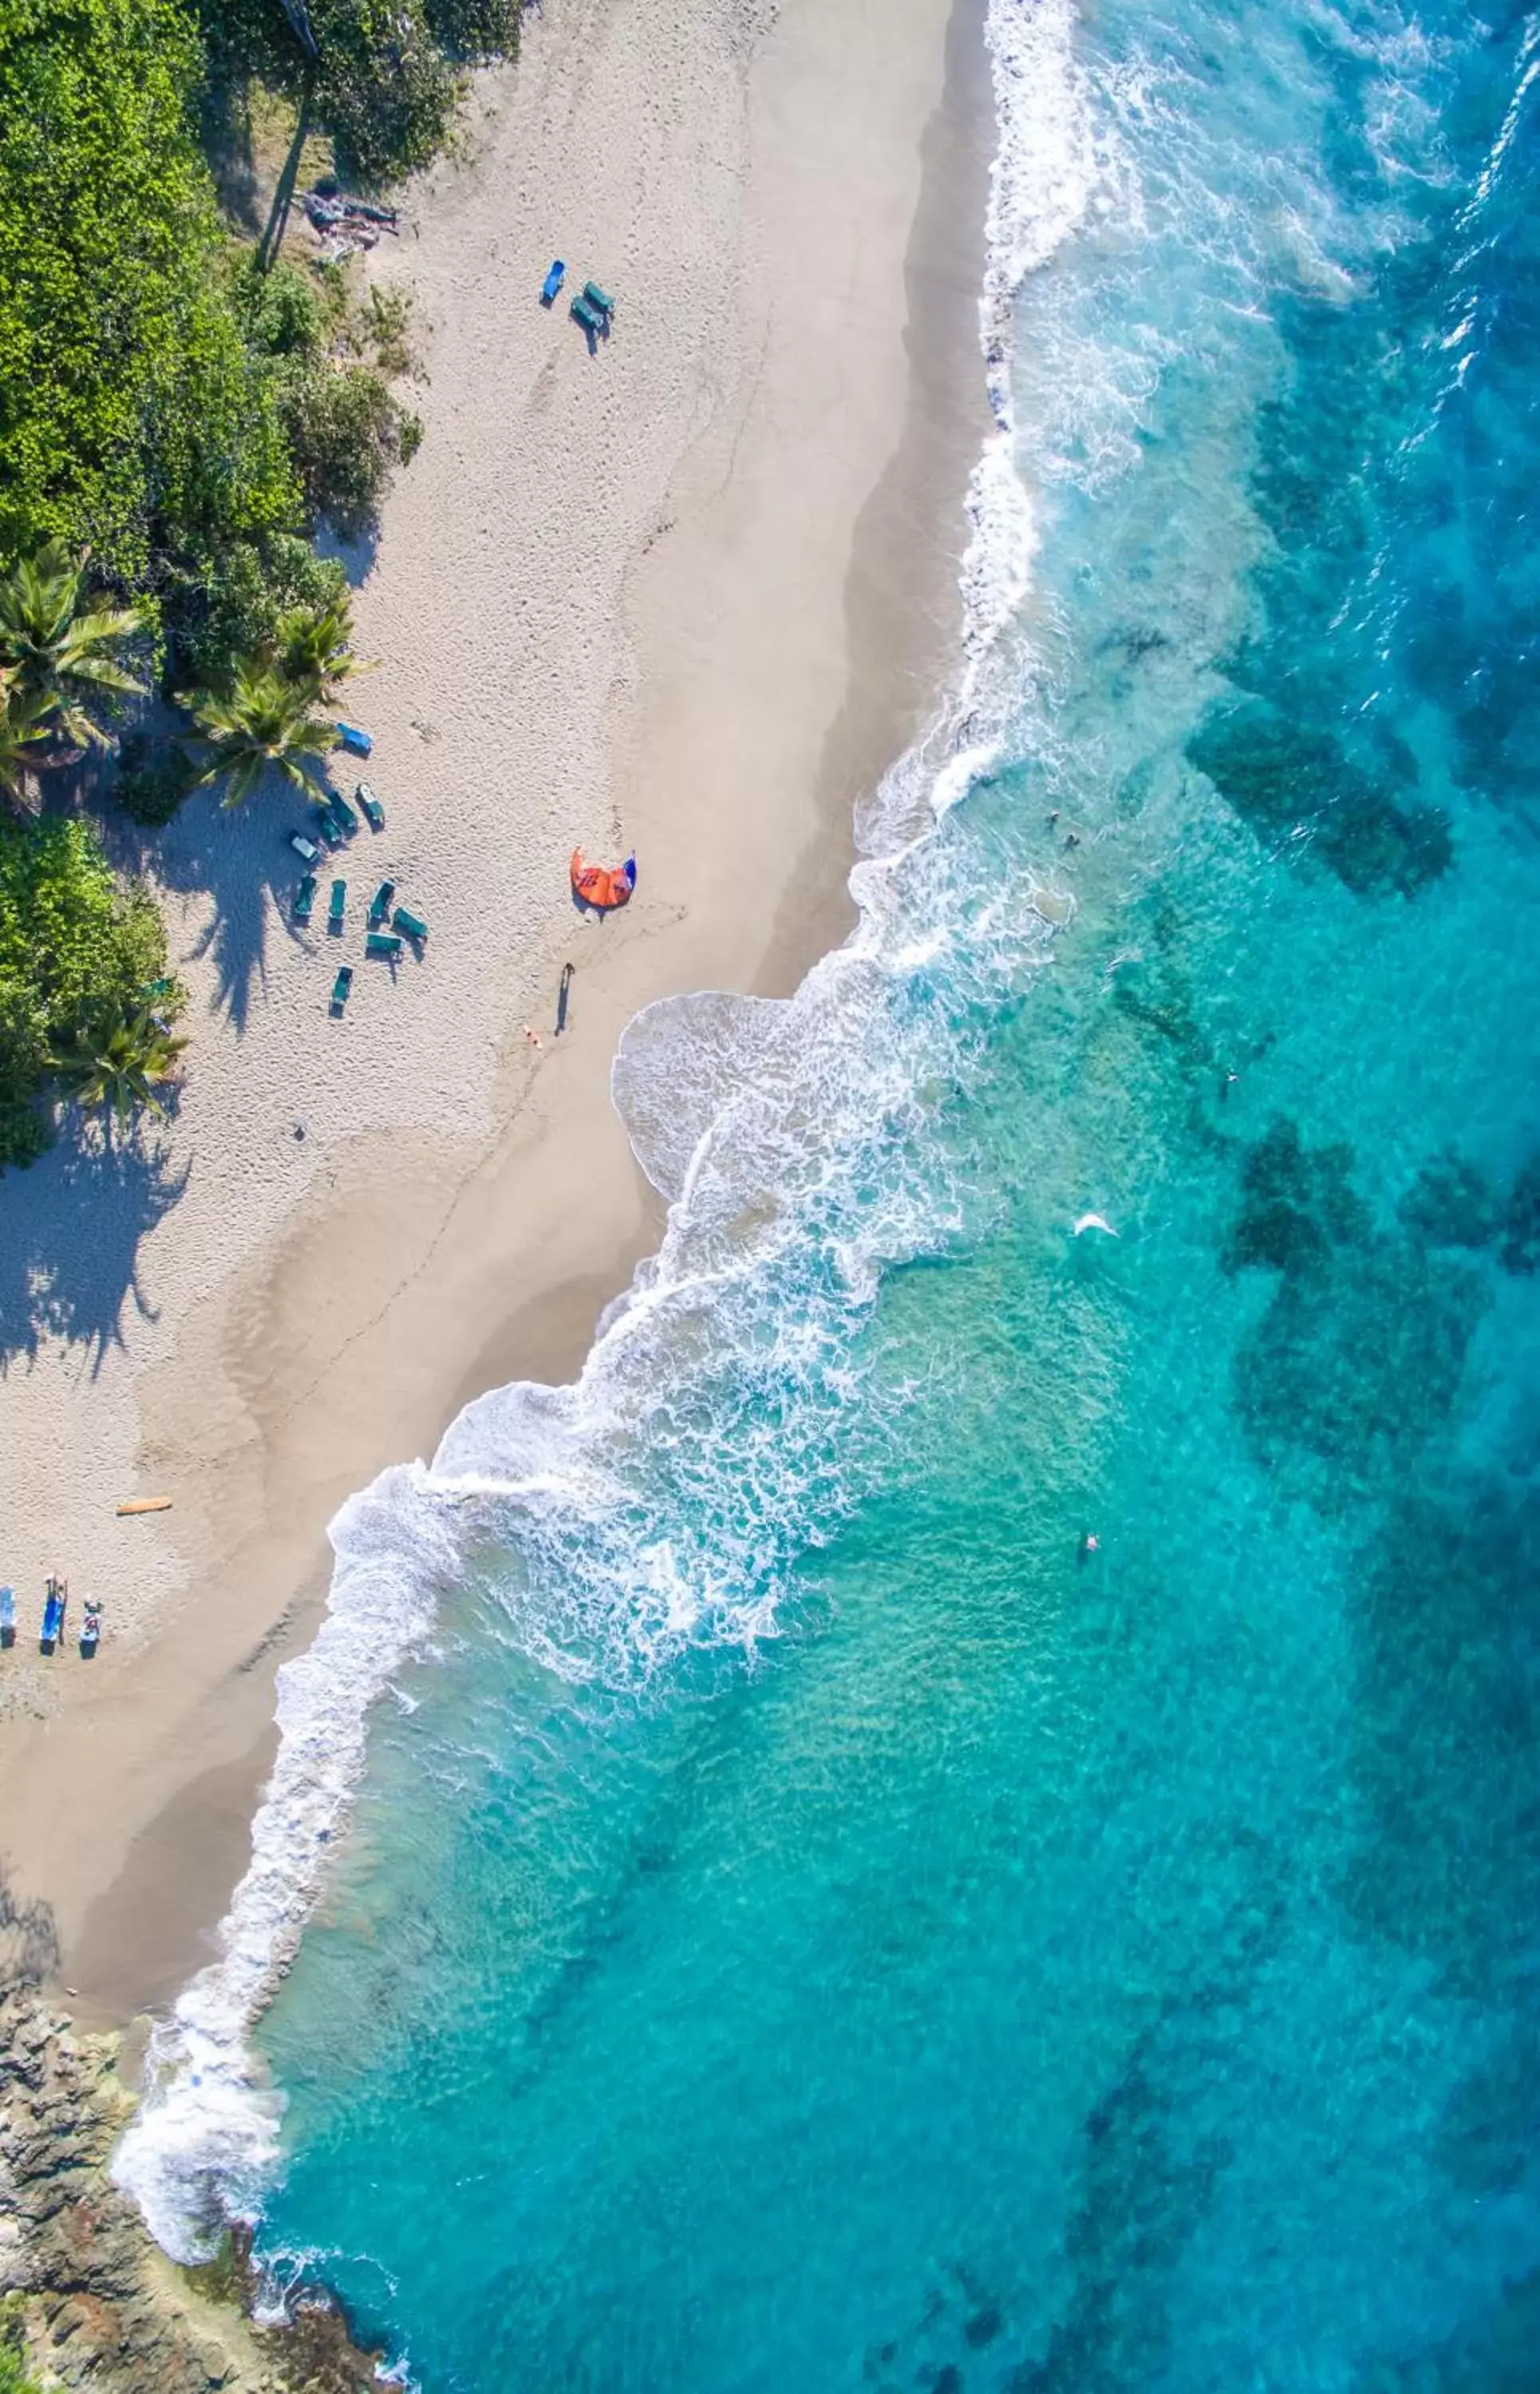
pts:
pixel 784 1135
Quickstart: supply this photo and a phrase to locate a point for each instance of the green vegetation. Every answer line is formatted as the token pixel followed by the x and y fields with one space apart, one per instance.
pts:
pixel 75 947
pixel 188 417
pixel 113 1056
pixel 263 718
pixel 385 80
pixel 179 416
pixel 15 2375
pixel 24 723
pixel 59 654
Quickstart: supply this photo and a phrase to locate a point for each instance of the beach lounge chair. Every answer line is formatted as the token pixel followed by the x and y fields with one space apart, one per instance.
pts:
pixel 55 1605
pixel 90 1629
pixel 304 848
pixel 343 813
pixel 382 943
pixel 339 900
pixel 357 743
pixel 304 898
pixel 588 317
pixel 412 924
pixel 380 904
pixel 341 987
pixel 328 826
pixel 553 282
pixel 8 1617
pixel 371 805
pixel 600 300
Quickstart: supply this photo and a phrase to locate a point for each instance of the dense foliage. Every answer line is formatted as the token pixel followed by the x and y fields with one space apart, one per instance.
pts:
pixel 384 78
pixel 132 413
pixel 190 419
pixel 174 427
pixel 73 944
pixel 15 2375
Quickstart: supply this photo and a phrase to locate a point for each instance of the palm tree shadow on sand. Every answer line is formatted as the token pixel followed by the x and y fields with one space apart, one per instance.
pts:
pixel 70 1233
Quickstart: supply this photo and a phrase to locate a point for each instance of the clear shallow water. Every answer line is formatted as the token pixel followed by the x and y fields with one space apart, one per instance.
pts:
pixel 802 1923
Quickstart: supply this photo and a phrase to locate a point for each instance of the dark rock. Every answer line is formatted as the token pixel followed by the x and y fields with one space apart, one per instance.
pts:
pixel 101 2305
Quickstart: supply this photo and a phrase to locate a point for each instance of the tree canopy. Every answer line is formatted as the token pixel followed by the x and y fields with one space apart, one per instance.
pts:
pixel 74 944
pixel 133 414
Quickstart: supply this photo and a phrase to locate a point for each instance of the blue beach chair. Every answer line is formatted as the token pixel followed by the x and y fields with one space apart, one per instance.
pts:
pixel 553 282
pixel 357 743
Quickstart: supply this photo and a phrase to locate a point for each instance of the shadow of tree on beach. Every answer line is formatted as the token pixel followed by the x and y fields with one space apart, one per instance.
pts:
pixel 28 1942
pixel 237 857
pixel 70 1233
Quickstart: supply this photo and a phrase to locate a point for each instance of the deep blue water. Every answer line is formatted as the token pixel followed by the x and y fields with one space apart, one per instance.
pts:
pixel 1028 1968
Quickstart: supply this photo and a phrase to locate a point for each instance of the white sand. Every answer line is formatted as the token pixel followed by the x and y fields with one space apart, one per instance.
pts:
pixel 689 594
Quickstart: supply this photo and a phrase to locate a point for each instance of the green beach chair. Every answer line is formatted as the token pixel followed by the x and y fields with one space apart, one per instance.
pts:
pixel 328 826
pixel 588 317
pixel 412 924
pixel 339 900
pixel 343 813
pixel 600 300
pixel 341 987
pixel 304 898
pixel 380 904
pixel 371 805
pixel 383 943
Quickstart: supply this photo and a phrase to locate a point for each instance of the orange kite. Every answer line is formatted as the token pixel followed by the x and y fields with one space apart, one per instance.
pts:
pixel 594 886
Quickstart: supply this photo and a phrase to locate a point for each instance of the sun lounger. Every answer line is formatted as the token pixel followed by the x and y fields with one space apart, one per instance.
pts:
pixel 380 904
pixel 341 987
pixel 7 1617
pixel 56 1605
pixel 357 743
pixel 304 848
pixel 90 1629
pixel 412 924
pixel 328 826
pixel 304 898
pixel 588 317
pixel 343 813
pixel 339 900
pixel 600 300
pixel 553 282
pixel 382 943
pixel 371 805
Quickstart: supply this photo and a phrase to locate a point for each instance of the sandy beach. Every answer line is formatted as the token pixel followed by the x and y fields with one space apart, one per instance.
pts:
pixel 690 593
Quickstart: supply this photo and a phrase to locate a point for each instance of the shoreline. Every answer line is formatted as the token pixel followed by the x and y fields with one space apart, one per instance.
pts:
pixel 167 1752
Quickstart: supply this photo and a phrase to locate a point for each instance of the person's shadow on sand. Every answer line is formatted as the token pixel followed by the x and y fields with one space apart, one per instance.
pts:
pixel 70 1232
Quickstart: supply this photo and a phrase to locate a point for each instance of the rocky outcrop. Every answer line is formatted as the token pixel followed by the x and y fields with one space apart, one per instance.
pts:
pixel 100 2305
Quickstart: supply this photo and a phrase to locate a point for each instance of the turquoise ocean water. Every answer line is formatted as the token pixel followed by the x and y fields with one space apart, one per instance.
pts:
pixel 804 1921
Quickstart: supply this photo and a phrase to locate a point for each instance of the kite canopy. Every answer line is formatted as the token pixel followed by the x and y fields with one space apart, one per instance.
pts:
pixel 596 885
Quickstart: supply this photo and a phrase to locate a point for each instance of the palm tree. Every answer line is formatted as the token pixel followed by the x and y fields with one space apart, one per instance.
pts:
pixel 262 719
pixel 61 653
pixel 113 1056
pixel 24 728
pixel 314 649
